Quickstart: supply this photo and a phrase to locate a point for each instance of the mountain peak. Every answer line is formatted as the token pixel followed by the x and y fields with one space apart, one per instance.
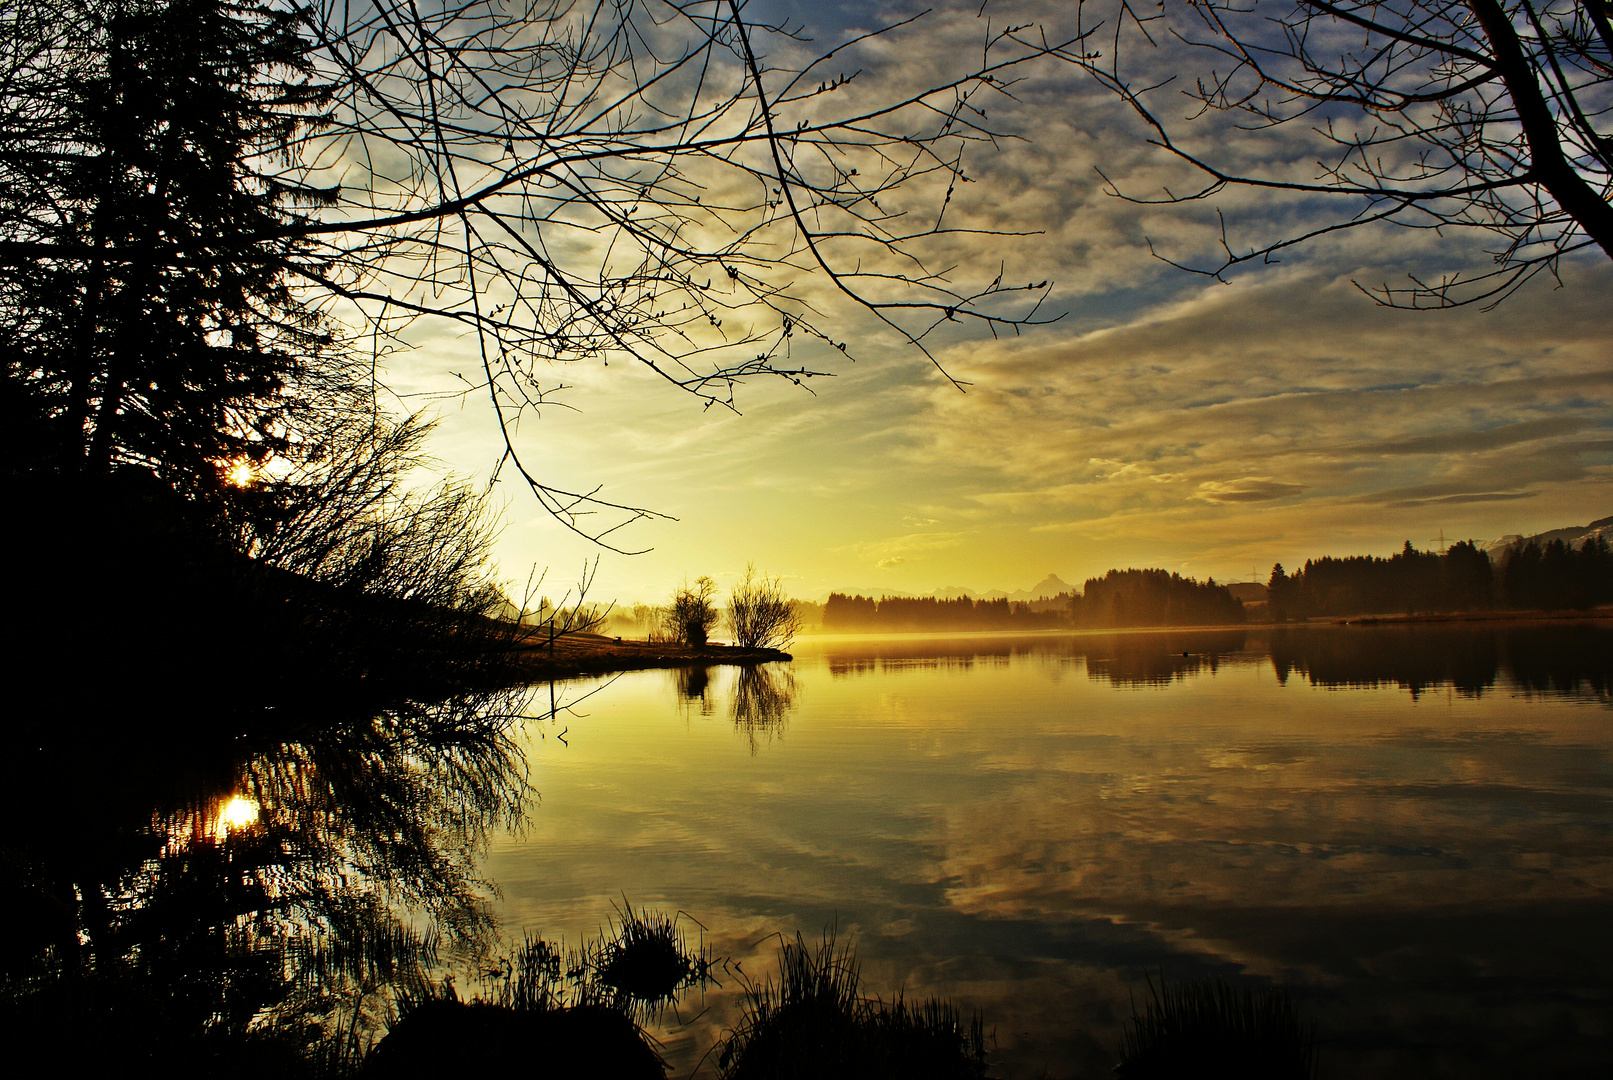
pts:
pixel 1050 586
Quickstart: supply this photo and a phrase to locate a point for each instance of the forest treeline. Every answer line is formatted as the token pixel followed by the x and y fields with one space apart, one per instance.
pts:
pixel 1528 576
pixel 910 614
pixel 1119 598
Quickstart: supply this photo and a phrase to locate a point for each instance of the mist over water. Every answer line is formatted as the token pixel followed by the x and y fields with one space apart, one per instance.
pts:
pixel 1411 828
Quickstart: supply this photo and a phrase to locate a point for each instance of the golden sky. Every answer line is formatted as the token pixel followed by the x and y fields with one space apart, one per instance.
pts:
pixel 1166 420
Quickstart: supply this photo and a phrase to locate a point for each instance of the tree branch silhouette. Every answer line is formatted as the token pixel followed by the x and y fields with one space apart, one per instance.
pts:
pixel 1451 116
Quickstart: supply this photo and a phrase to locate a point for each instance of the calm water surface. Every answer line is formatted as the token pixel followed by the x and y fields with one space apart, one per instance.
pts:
pixel 1412 829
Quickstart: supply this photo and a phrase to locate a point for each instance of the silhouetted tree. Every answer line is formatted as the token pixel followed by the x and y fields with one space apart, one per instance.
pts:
pixel 761 614
pixel 1280 594
pixel 1154 598
pixel 1449 115
pixel 195 190
pixel 1557 575
pixel 693 613
pixel 144 286
pixel 1469 578
pixel 1552 577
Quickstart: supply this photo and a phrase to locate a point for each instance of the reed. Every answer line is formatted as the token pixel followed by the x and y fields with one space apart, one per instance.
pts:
pixel 1211 1029
pixel 646 957
pixel 815 1022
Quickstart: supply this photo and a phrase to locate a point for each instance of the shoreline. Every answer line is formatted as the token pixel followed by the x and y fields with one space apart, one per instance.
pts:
pixel 574 655
pixel 812 637
pixel 581 655
pixel 1471 616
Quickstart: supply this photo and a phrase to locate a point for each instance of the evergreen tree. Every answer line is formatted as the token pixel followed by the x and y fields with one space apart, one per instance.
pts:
pixel 156 328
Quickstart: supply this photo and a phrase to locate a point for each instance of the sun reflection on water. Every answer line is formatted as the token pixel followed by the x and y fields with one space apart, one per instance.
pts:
pixel 237 813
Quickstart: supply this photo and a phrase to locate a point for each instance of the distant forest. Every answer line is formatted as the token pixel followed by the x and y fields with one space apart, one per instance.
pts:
pixel 1528 576
pixel 910 614
pixel 1119 598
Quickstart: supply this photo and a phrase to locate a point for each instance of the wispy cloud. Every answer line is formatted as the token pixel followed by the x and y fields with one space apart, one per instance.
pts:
pixel 1246 489
pixel 1164 420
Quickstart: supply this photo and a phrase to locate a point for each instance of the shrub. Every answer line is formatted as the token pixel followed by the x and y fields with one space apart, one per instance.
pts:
pixel 760 613
pixel 815 1022
pixel 692 615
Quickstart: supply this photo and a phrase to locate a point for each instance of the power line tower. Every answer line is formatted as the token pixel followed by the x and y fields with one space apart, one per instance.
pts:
pixel 1441 541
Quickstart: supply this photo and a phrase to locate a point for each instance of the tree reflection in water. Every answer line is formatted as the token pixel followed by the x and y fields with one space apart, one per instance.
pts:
pixel 764 696
pixel 1571 659
pixel 250 905
pixel 693 687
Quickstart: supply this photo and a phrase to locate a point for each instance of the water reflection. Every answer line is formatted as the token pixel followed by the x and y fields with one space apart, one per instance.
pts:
pixel 229 903
pixel 1568 660
pixel 1028 824
pixel 1141 660
pixel 693 687
pixel 761 698
pixel 764 696
pixel 1572 659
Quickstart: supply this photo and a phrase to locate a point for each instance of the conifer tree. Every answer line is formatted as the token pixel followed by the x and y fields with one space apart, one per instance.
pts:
pixel 153 325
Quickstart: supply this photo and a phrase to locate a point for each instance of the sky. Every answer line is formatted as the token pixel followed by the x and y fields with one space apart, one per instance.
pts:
pixel 1165 419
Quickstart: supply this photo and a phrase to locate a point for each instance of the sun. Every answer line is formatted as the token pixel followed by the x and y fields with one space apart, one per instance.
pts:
pixel 241 474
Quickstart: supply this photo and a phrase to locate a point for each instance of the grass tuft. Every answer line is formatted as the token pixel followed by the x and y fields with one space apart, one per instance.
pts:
pixel 1210 1029
pixel 815 1022
pixel 646 958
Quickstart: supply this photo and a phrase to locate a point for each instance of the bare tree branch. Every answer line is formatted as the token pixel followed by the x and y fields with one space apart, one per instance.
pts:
pixel 1443 115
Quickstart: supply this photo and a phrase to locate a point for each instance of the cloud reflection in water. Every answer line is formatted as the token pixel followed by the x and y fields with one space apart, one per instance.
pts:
pixel 1412 831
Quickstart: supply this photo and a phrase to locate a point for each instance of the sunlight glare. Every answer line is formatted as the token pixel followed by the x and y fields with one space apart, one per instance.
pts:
pixel 241 474
pixel 238 813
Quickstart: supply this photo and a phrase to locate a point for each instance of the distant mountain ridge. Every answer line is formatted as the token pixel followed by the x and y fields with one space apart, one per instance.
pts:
pixel 1573 534
pixel 1046 589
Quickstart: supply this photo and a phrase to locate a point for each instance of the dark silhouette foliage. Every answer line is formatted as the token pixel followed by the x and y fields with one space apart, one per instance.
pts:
pixel 1555 577
pixel 448 1037
pixel 906 614
pixel 145 295
pixel 1209 1029
pixel 761 613
pixel 693 613
pixel 1154 598
pixel 1119 598
pixel 814 1022
pixel 645 960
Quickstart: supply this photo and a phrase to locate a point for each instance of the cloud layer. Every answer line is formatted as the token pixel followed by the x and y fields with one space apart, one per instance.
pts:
pixel 1163 420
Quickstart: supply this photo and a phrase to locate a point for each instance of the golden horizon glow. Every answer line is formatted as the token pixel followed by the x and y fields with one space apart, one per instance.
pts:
pixel 1206 428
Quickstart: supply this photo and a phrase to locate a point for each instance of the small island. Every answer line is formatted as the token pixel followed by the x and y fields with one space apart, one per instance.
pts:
pixel 595 654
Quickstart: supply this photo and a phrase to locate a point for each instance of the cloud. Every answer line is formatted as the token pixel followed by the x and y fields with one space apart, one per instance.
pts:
pixel 1163 420
pixel 1435 496
pixel 1246 489
pixel 1502 435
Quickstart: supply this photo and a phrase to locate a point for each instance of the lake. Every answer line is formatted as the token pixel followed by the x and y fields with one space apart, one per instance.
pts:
pixel 1410 828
